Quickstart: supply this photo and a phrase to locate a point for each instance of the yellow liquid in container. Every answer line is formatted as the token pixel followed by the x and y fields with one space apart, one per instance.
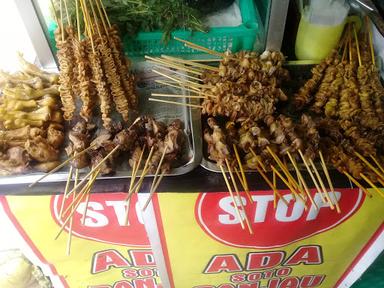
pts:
pixel 315 42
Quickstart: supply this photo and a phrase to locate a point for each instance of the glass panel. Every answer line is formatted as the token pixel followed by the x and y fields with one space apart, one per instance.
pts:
pixel 14 37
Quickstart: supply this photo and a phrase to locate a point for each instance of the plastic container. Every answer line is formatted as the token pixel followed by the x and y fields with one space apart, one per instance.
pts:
pixel 248 36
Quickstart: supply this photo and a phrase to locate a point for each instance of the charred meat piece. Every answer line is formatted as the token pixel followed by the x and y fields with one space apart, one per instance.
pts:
pixel 46 166
pixel 40 150
pixel 55 137
pixel 126 139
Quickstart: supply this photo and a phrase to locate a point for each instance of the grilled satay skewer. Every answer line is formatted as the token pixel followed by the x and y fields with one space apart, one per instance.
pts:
pixel 66 77
pixel 110 71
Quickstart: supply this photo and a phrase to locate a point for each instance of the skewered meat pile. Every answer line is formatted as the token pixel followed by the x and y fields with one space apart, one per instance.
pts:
pixel 31 121
pixel 93 69
pixel 348 103
pixel 145 132
pixel 246 86
pixel 246 90
pixel 252 138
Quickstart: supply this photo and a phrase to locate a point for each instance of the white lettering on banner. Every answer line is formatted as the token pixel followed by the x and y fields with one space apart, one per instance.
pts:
pixel 262 204
pixel 282 210
pixel 313 212
pixel 283 213
pixel 96 219
pixel 119 208
pixel 93 219
pixel 226 204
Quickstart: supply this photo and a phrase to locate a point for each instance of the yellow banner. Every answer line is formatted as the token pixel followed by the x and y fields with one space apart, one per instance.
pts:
pixel 290 246
pixel 104 252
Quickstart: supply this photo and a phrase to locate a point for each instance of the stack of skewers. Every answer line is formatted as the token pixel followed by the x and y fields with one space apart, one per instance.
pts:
pixel 240 99
pixel 346 97
pixel 94 73
pixel 245 127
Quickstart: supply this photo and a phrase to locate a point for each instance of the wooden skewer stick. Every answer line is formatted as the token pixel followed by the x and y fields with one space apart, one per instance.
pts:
pixel 372 185
pixel 371 43
pixel 177 72
pixel 88 25
pixel 85 209
pixel 273 187
pixel 178 96
pixel 163 62
pixel 188 62
pixel 301 178
pixel 86 203
pixel 245 182
pixel 377 163
pixel 156 183
pixel 87 16
pixel 78 196
pixel 285 171
pixel 274 182
pixel 326 172
pixel 155 187
pixel 206 60
pixel 369 165
pixel 286 182
pixel 61 21
pixel 183 81
pixel 138 185
pixel 258 159
pixel 322 184
pixel 66 12
pixel 159 180
pixel 170 65
pixel 312 176
pixel 60 165
pixel 152 190
pixel 93 169
pixel 239 197
pixel 239 177
pixel 233 198
pixel 345 47
pixel 176 103
pixel 66 191
pixel 95 18
pixel 82 193
pixel 69 241
pixel 357 45
pixel 191 89
pixel 128 200
pixel 158 167
pixel 350 46
pixel 78 21
pixel 101 15
pixel 135 168
pixel 200 48
pixel 54 12
pixel 144 172
pixel 105 12
pixel 356 183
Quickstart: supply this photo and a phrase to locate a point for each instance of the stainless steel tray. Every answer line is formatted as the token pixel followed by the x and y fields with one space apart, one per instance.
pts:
pixel 163 112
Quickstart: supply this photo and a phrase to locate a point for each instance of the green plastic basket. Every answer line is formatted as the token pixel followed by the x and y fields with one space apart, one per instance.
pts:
pixel 247 36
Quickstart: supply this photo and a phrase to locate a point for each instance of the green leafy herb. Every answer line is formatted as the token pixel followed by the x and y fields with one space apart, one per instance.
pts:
pixel 133 16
